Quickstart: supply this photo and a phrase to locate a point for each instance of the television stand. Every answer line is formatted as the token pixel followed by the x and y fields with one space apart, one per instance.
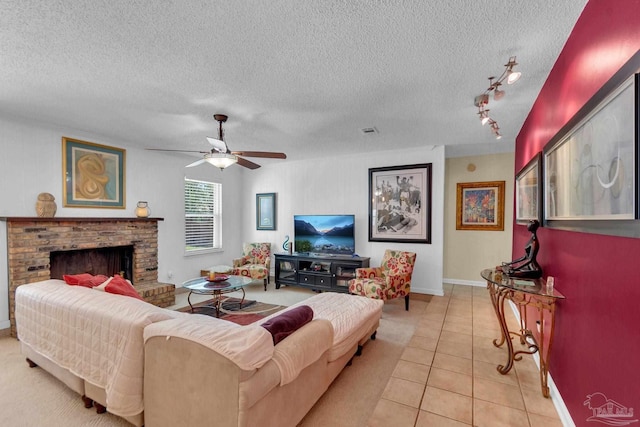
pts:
pixel 321 272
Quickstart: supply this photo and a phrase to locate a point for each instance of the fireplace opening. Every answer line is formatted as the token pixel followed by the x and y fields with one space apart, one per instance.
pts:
pixel 107 261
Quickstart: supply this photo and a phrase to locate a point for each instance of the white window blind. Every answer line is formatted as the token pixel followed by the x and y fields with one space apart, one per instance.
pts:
pixel 203 212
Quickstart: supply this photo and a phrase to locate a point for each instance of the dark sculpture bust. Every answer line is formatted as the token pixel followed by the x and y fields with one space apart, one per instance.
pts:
pixel 526 266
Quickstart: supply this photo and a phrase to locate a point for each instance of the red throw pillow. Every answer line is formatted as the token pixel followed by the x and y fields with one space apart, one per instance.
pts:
pixel 75 279
pixel 120 286
pixel 288 322
pixel 93 281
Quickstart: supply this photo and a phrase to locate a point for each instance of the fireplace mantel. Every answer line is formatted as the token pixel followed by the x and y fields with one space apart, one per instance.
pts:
pixel 73 219
pixel 30 241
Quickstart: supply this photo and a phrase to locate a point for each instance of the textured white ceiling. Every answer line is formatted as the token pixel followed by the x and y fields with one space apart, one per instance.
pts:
pixel 293 76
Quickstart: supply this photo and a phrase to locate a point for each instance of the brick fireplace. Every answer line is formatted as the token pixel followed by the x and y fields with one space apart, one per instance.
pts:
pixel 30 242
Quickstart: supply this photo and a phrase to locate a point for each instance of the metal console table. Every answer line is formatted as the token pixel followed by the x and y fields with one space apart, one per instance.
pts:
pixel 523 293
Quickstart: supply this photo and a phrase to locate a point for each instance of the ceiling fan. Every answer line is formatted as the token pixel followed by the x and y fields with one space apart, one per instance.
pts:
pixel 220 156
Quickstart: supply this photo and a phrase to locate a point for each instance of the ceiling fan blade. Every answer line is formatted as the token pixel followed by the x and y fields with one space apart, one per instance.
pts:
pixel 179 151
pixel 265 154
pixel 196 163
pixel 247 164
pixel 218 144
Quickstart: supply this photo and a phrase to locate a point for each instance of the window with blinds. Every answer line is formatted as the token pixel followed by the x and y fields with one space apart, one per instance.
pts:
pixel 203 211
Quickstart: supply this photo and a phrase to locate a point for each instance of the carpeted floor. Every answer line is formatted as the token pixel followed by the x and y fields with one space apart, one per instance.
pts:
pixel 36 398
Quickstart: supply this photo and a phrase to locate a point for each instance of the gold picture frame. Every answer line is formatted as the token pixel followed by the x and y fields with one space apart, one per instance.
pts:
pixel 480 206
pixel 93 175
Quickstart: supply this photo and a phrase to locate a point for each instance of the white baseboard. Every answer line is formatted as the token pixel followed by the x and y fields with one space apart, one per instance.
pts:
pixel 465 282
pixel 5 324
pixel 554 393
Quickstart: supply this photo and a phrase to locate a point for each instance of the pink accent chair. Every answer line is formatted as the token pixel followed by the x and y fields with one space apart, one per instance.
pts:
pixel 391 280
pixel 255 262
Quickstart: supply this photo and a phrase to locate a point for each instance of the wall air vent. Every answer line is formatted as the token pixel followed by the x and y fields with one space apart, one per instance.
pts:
pixel 369 131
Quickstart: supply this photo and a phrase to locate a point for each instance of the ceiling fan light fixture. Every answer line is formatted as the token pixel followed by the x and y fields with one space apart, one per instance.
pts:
pixel 221 160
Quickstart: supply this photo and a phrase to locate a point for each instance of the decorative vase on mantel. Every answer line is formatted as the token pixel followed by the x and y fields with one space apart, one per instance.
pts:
pixel 142 210
pixel 46 205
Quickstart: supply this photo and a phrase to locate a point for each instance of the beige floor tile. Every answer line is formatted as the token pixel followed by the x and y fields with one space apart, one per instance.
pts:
pixel 487 414
pixel 402 391
pixel 488 371
pixel 448 404
pixel 486 331
pixel 433 316
pixel 457 337
pixel 536 403
pixel 429 419
pixel 455 349
pixel 424 343
pixel 430 324
pixel 440 309
pixel 527 363
pixel 461 296
pixel 539 421
pixel 417 355
pixel 493 355
pixel 465 313
pixel 499 393
pixel 529 379
pixel 388 413
pixel 457 327
pixel 459 320
pixel 451 381
pixel 457 364
pixel 411 371
pixel 425 331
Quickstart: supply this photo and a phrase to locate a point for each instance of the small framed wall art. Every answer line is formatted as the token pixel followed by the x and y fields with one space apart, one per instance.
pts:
pixel 529 192
pixel 93 175
pixel 480 206
pixel 266 211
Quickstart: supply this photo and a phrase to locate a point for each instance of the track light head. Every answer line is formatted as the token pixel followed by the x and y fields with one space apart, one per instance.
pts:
pixel 481 101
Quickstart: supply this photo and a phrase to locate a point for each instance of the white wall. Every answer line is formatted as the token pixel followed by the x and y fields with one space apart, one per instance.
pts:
pixel 340 185
pixel 468 252
pixel 31 163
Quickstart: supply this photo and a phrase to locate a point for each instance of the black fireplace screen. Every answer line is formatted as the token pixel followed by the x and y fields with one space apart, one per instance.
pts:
pixel 107 261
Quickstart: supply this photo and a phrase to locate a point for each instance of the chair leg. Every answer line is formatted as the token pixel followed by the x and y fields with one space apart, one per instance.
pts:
pixel 406 302
pixel 265 285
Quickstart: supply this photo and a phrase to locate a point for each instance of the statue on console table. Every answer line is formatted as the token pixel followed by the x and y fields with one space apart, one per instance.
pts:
pixel 526 266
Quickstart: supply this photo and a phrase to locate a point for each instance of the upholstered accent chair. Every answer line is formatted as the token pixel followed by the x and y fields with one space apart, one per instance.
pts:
pixel 255 262
pixel 391 280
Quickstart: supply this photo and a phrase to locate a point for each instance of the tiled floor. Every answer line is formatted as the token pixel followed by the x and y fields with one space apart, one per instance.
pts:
pixel 447 375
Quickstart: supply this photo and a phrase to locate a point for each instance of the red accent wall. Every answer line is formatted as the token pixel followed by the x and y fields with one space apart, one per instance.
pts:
pixel 597 337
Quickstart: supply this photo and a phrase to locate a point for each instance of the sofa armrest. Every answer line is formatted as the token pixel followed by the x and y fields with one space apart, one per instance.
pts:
pixel 398 281
pixel 368 272
pixel 302 348
pixel 239 262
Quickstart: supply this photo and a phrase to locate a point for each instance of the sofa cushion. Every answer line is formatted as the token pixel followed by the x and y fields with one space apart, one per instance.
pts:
pixel 284 324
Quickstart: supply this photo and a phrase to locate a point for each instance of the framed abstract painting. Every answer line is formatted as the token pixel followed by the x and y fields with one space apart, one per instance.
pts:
pixel 93 175
pixel 480 206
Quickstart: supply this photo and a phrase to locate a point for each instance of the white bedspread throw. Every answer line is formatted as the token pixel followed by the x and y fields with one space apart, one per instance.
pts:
pixel 95 335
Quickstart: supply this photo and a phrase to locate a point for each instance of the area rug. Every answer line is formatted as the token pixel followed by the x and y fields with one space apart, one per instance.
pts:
pixel 251 311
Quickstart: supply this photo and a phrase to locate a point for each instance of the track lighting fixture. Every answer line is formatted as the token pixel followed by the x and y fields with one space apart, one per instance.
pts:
pixel 481 101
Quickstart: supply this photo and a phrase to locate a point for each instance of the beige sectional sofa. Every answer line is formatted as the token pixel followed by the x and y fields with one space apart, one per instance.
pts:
pixel 159 367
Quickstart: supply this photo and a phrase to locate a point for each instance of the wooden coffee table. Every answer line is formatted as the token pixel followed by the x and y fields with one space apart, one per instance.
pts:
pixel 203 286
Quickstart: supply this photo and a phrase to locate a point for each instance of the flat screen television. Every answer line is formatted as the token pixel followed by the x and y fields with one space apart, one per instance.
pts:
pixel 324 234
